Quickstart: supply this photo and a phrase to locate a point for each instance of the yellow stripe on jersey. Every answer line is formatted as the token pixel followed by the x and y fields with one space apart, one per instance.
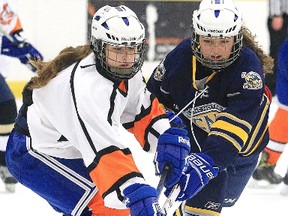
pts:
pixel 256 145
pixel 194 73
pixel 198 211
pixel 226 126
pixel 234 118
pixel 177 213
pixel 229 138
pixel 257 128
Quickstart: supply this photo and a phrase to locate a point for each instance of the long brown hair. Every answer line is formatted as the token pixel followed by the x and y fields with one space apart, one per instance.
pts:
pixel 266 60
pixel 48 70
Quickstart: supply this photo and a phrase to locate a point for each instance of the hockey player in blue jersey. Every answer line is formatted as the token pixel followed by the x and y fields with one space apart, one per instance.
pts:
pixel 15 46
pixel 215 81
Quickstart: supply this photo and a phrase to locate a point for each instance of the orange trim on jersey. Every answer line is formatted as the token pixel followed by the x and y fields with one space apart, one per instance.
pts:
pixel 7 16
pixel 111 168
pixel 122 86
pixel 98 208
pixel 279 128
pixel 272 156
pixel 17 27
pixel 140 126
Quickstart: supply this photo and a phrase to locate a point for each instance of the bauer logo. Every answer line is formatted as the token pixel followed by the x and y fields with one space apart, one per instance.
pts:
pixel 200 164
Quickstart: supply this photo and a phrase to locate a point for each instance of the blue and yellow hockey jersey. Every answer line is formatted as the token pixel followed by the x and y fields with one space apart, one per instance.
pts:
pixel 229 118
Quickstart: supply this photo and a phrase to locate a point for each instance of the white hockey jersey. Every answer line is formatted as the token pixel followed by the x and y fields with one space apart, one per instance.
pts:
pixel 90 126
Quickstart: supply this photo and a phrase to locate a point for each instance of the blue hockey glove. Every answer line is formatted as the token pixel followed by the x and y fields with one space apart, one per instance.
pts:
pixel 17 47
pixel 142 200
pixel 198 172
pixel 173 147
pixel 175 121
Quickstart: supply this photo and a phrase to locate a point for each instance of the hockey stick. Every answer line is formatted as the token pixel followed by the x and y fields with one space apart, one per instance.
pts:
pixel 170 202
pixel 171 199
pixel 160 185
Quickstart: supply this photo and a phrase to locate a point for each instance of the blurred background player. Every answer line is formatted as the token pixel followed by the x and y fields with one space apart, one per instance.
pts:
pixel 12 44
pixel 222 67
pixel 278 32
pixel 278 129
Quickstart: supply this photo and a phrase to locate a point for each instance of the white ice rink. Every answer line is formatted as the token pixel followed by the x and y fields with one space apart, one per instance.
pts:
pixel 253 202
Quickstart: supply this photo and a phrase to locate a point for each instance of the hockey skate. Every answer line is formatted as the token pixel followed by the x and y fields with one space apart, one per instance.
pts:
pixel 265 177
pixel 7 179
pixel 284 189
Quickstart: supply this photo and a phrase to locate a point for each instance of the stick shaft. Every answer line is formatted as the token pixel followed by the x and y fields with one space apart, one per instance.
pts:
pixel 161 183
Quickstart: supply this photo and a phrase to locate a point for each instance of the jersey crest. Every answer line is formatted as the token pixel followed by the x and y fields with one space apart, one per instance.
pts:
pixel 204 116
pixel 253 80
pixel 160 71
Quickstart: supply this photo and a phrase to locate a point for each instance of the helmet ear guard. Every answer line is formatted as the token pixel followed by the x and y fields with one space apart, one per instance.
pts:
pixel 217 19
pixel 118 27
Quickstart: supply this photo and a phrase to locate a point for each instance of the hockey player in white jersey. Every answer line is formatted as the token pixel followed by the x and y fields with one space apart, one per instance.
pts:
pixel 84 104
pixel 12 44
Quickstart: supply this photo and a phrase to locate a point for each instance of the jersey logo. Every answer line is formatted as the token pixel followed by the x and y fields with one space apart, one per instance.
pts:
pixel 253 80
pixel 212 205
pixel 160 71
pixel 204 116
pixel 230 200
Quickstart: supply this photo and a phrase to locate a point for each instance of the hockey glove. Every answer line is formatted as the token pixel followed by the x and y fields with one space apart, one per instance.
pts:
pixel 173 147
pixel 16 46
pixel 175 121
pixel 198 172
pixel 142 200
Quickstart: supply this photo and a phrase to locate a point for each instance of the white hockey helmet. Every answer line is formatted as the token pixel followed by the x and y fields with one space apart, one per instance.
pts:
pixel 118 26
pixel 217 18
